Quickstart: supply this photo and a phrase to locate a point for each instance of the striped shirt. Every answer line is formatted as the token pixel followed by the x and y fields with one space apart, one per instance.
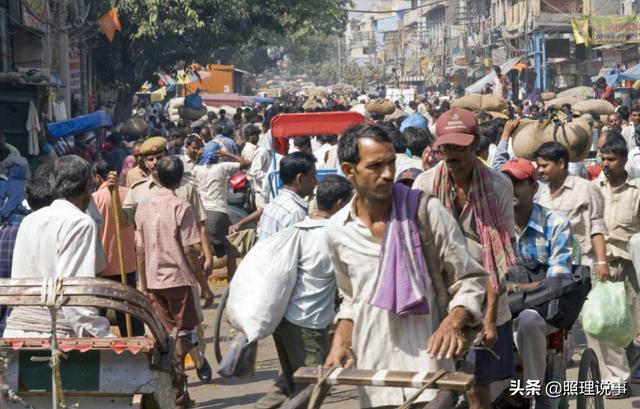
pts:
pixel 287 209
pixel 546 239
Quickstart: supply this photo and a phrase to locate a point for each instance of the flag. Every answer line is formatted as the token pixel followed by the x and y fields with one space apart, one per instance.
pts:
pixel 110 23
pixel 580 26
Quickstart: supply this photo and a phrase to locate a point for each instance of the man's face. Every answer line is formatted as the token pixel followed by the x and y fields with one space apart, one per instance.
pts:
pixel 458 158
pixel 373 175
pixel 614 122
pixel 150 161
pixel 523 192
pixel 306 149
pixel 193 151
pixel 549 170
pixel 635 117
pixel 136 153
pixel 308 182
pixel 612 164
pixel 178 142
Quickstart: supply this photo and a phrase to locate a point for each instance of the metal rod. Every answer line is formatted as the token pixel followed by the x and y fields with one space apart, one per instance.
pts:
pixel 5 58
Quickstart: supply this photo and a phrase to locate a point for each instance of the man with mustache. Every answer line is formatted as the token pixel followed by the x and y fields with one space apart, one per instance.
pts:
pixel 481 200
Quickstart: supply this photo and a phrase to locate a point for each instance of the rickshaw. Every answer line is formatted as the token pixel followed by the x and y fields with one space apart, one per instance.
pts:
pixel 283 127
pixel 101 373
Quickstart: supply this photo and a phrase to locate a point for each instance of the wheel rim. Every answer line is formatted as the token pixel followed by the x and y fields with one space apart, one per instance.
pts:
pixel 594 401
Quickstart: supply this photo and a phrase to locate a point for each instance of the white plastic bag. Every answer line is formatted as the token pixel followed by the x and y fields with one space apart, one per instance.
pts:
pixel 261 288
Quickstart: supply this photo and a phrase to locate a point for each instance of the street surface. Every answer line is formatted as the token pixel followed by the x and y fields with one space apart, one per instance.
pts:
pixel 243 393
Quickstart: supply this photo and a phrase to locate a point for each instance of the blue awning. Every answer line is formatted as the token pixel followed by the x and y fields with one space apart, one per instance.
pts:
pixel 632 74
pixel 80 124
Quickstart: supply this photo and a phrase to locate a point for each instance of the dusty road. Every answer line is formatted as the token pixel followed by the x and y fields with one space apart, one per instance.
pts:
pixel 242 393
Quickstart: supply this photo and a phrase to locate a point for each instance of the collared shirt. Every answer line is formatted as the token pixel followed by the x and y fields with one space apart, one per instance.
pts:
pixel 213 184
pixel 165 226
pixel 503 190
pixel 61 241
pixel 621 214
pixel 629 134
pixel 404 162
pixel 135 175
pixel 248 151
pixel 313 297
pixel 581 202
pixel 107 232
pixel 633 163
pixel 547 240
pixel 285 210
pixel 188 163
pixel 381 339
pixel 144 190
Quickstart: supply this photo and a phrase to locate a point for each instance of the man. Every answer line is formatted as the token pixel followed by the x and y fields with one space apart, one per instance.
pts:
pixel 629 131
pixel 544 239
pixel 403 160
pixel 499 83
pixel 302 144
pixel 152 151
pixel 38 194
pixel 102 197
pixel 577 200
pixel 614 122
pixel 212 178
pixel 166 230
pixel 376 337
pixel 251 136
pixel 633 161
pixel 176 143
pixel 481 200
pixel 60 241
pixel 3 142
pixel 118 151
pixel 602 90
pixel 223 136
pixel 193 151
pixel 140 172
pixel 302 338
pixel 622 218
pixel 298 175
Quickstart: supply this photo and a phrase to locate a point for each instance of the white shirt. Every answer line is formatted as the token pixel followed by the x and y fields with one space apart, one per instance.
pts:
pixel 381 339
pixel 313 297
pixel 213 180
pixel 404 162
pixel 633 163
pixel 61 240
pixel 629 134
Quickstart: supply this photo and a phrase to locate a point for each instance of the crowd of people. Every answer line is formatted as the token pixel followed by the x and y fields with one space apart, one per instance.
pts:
pixel 401 251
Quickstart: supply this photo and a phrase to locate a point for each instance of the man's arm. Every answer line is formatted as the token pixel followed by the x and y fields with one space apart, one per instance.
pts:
pixel 191 236
pixel 561 249
pixel 598 230
pixel 501 155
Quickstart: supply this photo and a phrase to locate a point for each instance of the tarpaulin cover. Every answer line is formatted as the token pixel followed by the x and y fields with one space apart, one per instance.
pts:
pixel 80 124
pixel 632 74
pixel 479 85
pixel 312 124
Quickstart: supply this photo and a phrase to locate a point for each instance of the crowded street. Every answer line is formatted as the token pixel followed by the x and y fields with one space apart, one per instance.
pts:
pixel 320 204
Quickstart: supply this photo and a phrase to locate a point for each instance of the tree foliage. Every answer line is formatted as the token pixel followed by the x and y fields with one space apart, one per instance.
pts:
pixel 164 34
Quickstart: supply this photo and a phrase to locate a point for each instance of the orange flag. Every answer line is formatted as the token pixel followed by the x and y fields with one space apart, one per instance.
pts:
pixel 110 23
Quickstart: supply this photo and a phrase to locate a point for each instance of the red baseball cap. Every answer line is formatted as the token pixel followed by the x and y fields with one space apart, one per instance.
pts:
pixel 457 126
pixel 520 169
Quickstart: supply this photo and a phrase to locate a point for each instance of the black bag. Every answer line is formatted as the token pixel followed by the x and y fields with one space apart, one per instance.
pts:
pixel 558 300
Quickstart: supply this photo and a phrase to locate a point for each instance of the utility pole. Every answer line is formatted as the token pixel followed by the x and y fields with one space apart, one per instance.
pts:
pixel 5 57
pixel 339 63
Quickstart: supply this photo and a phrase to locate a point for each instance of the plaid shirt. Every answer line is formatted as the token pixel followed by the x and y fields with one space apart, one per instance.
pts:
pixel 285 210
pixel 7 242
pixel 547 239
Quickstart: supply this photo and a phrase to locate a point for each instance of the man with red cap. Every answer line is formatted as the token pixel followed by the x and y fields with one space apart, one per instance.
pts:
pixel 481 200
pixel 544 240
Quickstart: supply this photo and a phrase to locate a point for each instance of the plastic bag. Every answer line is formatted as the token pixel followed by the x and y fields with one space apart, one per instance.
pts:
pixel 606 315
pixel 240 358
pixel 261 287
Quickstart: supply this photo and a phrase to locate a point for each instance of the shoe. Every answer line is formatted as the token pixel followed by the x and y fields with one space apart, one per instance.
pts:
pixel 272 400
pixel 204 372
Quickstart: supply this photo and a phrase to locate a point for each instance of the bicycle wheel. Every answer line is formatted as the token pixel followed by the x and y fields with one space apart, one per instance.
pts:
pixel 223 331
pixel 589 371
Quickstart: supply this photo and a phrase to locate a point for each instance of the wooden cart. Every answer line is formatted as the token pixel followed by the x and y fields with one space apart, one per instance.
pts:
pixel 104 373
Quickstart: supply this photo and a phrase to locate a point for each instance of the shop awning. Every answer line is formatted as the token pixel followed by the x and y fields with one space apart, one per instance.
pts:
pixel 479 85
pixel 80 124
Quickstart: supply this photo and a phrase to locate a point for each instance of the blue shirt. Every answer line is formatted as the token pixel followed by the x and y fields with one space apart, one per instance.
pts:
pixel 548 240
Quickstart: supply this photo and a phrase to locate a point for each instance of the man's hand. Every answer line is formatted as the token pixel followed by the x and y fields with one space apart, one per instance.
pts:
pixel 489 334
pixel 509 127
pixel 112 180
pixel 234 228
pixel 602 270
pixel 341 354
pixel 208 266
pixel 207 296
pixel 448 341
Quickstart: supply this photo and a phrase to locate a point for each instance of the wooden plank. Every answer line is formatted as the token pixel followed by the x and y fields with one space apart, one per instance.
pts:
pixel 456 381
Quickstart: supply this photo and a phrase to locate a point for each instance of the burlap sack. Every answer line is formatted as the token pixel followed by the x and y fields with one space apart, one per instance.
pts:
pixel 381 107
pixel 559 102
pixel 191 114
pixel 493 103
pixel 471 102
pixel 547 96
pixel 135 126
pixel 574 135
pixel 599 106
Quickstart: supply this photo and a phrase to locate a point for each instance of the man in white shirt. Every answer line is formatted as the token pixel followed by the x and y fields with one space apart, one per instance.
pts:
pixel 212 178
pixel 302 338
pixel 60 241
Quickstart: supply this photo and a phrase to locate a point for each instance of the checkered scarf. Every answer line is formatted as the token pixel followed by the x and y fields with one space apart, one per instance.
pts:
pixel 497 252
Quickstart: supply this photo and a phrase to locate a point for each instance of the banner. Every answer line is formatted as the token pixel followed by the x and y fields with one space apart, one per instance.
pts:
pixel 458 59
pixel 580 28
pixel 615 29
pixel 110 23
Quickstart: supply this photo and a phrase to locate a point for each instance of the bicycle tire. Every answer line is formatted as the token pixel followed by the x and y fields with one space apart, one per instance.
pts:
pixel 589 371
pixel 218 324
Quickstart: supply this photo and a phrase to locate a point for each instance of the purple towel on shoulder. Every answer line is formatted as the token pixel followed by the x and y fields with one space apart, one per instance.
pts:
pixel 401 285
